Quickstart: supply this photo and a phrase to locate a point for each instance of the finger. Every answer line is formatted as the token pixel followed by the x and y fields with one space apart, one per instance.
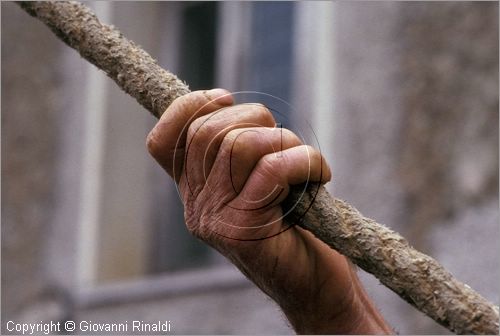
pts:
pixel 206 134
pixel 269 182
pixel 166 142
pixel 266 187
pixel 240 151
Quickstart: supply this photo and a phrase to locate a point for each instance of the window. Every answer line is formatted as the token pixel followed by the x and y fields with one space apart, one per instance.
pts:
pixel 130 223
pixel 173 248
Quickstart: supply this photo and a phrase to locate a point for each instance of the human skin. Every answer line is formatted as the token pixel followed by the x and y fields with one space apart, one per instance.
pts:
pixel 233 168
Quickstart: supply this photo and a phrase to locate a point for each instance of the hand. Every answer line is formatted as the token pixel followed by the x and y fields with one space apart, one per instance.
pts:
pixel 233 168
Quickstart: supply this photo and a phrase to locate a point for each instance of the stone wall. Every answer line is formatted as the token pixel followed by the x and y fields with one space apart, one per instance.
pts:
pixel 31 102
pixel 415 146
pixel 416 134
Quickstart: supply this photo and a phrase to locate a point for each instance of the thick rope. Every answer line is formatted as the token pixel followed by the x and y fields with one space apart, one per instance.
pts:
pixel 414 276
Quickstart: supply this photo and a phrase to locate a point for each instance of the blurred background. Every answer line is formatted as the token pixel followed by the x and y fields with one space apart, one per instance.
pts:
pixel 402 96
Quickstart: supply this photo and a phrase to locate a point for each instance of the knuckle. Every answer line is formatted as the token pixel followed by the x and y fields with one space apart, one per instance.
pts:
pixel 187 100
pixel 188 104
pixel 263 114
pixel 313 154
pixel 242 143
pixel 234 145
pixel 232 136
pixel 237 137
pixel 180 101
pixel 179 104
pixel 269 164
pixel 229 140
pixel 291 137
pixel 200 129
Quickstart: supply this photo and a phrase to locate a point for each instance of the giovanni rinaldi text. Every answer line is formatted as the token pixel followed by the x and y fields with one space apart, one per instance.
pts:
pixel 138 326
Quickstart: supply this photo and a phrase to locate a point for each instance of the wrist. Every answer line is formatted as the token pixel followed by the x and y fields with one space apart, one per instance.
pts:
pixel 355 314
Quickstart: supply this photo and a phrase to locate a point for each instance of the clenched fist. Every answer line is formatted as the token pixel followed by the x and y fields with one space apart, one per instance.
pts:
pixel 233 168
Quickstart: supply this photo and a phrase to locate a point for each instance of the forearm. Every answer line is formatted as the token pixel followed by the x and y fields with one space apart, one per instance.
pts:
pixel 318 291
pixel 356 314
